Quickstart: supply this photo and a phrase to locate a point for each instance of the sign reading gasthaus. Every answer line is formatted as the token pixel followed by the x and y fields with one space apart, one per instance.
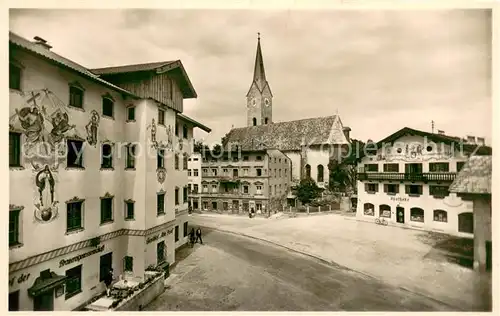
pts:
pixel 80 257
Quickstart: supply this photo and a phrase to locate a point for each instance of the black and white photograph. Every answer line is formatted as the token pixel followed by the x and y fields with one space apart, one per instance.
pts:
pixel 251 159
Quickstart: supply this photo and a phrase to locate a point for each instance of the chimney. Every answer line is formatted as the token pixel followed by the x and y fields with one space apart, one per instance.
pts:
pixel 41 42
pixel 471 139
pixel 440 132
pixel 480 141
pixel 346 131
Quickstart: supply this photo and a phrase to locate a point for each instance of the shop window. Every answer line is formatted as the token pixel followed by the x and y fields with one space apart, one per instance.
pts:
pixel 160 204
pixel 176 233
pixel 128 264
pixel 106 210
pixel 74 216
pixel 466 223
pixel 416 214
pixel 391 167
pixel 14 227
pixel 73 281
pixel 440 216
pixel 75 154
pixel 105 265
pixel 391 188
pixel 160 252
pixel 369 209
pixel 384 211
pixel 129 210
pixel 439 167
pixel 185 228
pixel 14 149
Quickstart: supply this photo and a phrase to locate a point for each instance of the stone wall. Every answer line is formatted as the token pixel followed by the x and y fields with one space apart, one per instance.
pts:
pixel 144 297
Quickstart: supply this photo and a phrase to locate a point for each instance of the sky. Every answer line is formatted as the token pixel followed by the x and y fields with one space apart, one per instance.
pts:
pixel 379 70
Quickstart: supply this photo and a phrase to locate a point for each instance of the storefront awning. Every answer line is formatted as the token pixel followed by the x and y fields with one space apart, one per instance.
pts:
pixel 47 281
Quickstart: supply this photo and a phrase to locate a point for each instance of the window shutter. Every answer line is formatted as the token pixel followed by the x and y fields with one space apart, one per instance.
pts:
pixel 407 189
pixel 386 188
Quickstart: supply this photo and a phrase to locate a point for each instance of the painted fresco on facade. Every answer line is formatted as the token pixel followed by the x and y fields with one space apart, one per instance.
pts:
pixel 154 143
pixel 161 174
pixel 92 128
pixel 416 152
pixel 46 205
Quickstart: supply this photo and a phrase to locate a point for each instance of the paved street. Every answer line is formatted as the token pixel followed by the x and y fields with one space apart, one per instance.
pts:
pixel 233 273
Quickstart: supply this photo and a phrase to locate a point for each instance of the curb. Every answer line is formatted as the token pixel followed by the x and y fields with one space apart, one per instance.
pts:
pixel 336 265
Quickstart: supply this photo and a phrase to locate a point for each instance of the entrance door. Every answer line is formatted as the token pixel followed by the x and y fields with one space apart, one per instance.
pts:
pixel 14 301
pixel 44 302
pixel 400 215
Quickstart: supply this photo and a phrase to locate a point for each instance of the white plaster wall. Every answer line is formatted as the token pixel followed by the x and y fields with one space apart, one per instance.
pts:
pixel 318 156
pixel 294 156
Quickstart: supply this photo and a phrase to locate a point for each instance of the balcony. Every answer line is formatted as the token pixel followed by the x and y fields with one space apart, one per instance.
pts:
pixel 413 177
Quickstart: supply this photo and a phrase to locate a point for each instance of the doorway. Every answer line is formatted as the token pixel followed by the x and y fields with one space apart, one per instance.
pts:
pixel 44 301
pixel 400 214
pixel 14 301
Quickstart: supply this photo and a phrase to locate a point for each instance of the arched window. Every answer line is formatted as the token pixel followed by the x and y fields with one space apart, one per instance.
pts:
pixel 266 120
pixel 369 209
pixel 417 214
pixel 320 173
pixel 440 216
pixel 466 223
pixel 308 171
pixel 254 121
pixel 384 211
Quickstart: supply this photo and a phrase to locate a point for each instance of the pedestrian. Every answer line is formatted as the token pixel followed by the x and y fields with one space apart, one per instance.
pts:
pixel 108 278
pixel 191 237
pixel 198 235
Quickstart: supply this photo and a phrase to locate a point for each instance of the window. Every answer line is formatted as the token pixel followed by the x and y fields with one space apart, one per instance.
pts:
pixel 184 132
pixel 438 190
pixel 258 189
pixel 225 206
pixel 416 214
pixel 74 216
pixel 279 174
pixel 106 210
pixel 160 203
pixel 176 196
pixel 258 158
pixel 14 228
pixel 195 173
pixel 245 171
pixel 259 172
pixel 131 113
pixel 439 167
pixel 460 165
pixel 413 168
pixel 105 264
pixel 129 210
pixel 205 205
pixel 195 159
pixel 369 209
pixel 320 173
pixel 185 229
pixel 245 158
pixel 195 188
pixel 14 301
pixel 128 264
pixel 73 281
pixel 185 162
pixel 391 188
pixel 214 172
pixel 189 172
pixel 176 233
pixel 160 252
pixel 391 167
pixel 235 172
pixel 75 97
pixel 14 77
pixel 176 129
pixel 14 149
pixel 214 188
pixel 440 216
pixel 466 223
pixel 225 171
pixel 160 158
pixel 214 205
pixel 205 188
pixel 107 107
pixel 371 167
pixel 185 194
pixel 413 189
pixel 235 159
pixel 75 154
pixel 371 187
pixel 161 117
pixel 258 206
pixel 106 156
pixel 308 171
pixel 130 161
pixel 384 211
pixel 254 121
pixel 266 120
pixel 176 162
pixel 245 189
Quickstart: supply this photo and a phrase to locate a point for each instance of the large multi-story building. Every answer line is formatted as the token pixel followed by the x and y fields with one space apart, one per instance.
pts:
pixel 98 173
pixel 239 181
pixel 405 180
pixel 194 180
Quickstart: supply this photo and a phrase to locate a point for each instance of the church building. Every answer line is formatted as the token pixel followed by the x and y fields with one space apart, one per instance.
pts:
pixel 308 142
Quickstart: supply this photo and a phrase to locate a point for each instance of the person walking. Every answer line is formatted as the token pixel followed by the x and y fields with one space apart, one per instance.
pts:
pixel 191 237
pixel 108 278
pixel 198 235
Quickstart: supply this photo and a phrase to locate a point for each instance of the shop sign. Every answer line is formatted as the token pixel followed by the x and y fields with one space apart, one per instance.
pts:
pixel 80 257
pixel 156 237
pixel 399 199
pixel 22 278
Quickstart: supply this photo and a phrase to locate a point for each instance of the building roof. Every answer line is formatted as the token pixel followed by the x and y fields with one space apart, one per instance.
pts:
pixel 174 66
pixel 288 135
pixel 438 138
pixel 475 176
pixel 49 55
pixel 195 123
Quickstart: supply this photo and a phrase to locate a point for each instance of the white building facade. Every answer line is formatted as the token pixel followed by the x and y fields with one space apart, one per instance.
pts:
pixel 101 196
pixel 194 180
pixel 406 180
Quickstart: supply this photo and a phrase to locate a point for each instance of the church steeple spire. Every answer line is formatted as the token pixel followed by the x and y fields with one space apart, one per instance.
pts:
pixel 259 74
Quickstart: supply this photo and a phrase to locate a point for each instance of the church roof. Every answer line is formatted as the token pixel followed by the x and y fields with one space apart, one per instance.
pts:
pixel 474 177
pixel 289 135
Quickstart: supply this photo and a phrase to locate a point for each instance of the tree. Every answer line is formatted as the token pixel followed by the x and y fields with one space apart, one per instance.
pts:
pixel 307 190
pixel 198 146
pixel 343 175
pixel 217 149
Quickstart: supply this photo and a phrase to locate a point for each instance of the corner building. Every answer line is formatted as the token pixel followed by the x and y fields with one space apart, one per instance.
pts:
pixel 97 173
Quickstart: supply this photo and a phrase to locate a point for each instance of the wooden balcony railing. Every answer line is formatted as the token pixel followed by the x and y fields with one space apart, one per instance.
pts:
pixel 427 176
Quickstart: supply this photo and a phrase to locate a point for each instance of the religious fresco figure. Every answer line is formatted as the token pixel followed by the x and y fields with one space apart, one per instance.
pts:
pixel 32 123
pixel 169 137
pixel 44 180
pixel 59 126
pixel 92 127
pixel 153 134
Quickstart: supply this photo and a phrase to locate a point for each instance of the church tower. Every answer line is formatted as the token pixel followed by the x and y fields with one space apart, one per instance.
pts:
pixel 259 96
